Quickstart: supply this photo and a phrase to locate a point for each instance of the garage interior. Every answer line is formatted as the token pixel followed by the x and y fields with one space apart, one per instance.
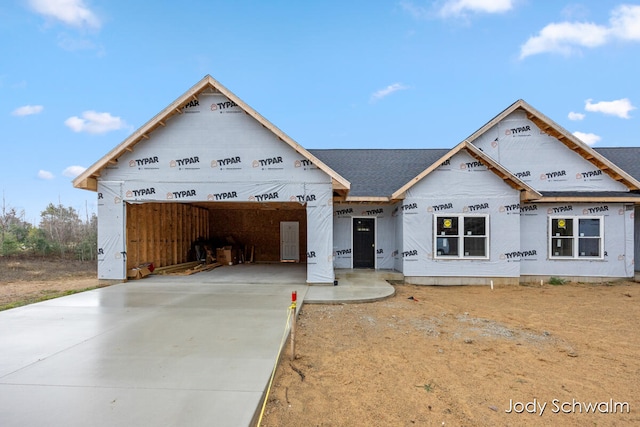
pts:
pixel 166 234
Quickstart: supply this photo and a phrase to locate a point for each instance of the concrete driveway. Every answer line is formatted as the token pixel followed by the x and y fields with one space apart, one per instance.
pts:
pixel 161 351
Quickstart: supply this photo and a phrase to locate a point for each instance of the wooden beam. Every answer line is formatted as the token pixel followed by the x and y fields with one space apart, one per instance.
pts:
pixel 145 136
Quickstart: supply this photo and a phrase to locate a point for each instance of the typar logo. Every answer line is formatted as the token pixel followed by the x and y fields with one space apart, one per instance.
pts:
pixel 514 208
pixel 477 207
pixel 518 131
pixel 140 192
pixel 311 254
pixel 471 165
pixel 187 161
pixel 223 107
pixel 597 209
pixel 145 161
pixel 523 174
pixel 180 194
pixel 189 107
pixel 264 197
pixel 343 252
pixel 228 163
pixel 227 195
pixel 519 254
pixel 411 253
pixel 529 209
pixel 409 206
pixel 343 212
pixel 378 211
pixel 267 163
pixel 553 176
pixel 446 163
pixel 440 207
pixel 303 198
pixel 303 163
pixel 589 174
pixel 560 209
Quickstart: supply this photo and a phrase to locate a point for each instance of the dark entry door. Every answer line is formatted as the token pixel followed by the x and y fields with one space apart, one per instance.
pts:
pixel 364 248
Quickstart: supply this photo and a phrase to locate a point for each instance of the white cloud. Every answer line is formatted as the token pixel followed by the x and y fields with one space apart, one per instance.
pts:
pixel 625 22
pixel 619 107
pixel 27 110
pixel 568 37
pixel 94 122
pixel 71 12
pixel 42 174
pixel 588 138
pixel 73 171
pixel 459 7
pixel 382 93
pixel 576 116
pixel 564 38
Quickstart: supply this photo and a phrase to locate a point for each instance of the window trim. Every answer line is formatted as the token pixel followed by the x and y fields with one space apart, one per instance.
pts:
pixel 461 236
pixel 575 238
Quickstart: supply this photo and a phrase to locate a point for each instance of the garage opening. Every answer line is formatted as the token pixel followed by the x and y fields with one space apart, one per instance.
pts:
pixel 167 234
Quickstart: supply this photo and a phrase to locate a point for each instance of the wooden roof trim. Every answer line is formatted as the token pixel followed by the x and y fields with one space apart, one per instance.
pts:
pixel 128 143
pixel 366 199
pixel 568 139
pixel 175 107
pixel 552 128
pixel 479 155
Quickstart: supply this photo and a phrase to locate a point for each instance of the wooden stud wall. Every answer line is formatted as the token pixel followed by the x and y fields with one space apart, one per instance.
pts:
pixel 163 233
pixel 256 227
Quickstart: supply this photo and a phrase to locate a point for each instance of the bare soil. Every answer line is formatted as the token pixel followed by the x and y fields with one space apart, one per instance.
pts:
pixel 464 356
pixel 434 356
pixel 27 280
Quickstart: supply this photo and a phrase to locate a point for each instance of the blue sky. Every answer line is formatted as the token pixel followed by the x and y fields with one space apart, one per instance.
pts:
pixel 78 76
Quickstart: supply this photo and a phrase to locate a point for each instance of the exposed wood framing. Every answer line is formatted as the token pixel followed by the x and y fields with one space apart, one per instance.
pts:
pixel 163 233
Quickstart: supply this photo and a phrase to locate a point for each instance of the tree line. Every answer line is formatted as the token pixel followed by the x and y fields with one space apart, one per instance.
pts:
pixel 60 233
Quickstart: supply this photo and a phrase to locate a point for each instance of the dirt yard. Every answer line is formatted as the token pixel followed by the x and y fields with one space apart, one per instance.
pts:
pixel 466 356
pixel 26 280
pixel 433 356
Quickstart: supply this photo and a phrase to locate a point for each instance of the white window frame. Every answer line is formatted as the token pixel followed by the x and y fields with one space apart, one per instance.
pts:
pixel 461 236
pixel 575 237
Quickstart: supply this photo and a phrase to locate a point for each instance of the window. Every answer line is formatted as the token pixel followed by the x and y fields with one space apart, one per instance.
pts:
pixel 460 236
pixel 575 237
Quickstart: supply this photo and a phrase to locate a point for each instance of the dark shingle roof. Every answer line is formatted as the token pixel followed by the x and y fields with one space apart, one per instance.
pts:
pixel 380 172
pixel 627 158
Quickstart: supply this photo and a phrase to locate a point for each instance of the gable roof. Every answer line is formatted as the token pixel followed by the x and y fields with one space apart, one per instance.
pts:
pixel 88 179
pixel 528 193
pixel 565 137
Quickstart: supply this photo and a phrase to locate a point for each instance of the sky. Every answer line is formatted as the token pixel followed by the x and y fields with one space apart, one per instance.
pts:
pixel 77 77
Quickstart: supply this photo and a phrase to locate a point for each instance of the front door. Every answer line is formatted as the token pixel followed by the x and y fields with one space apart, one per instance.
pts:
pixel 289 241
pixel 364 246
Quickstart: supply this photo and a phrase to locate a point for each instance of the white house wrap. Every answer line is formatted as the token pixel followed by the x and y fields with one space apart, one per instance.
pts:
pixel 519 199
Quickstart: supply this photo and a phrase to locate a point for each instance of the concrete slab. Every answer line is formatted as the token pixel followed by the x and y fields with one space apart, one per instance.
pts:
pixel 164 350
pixel 354 286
